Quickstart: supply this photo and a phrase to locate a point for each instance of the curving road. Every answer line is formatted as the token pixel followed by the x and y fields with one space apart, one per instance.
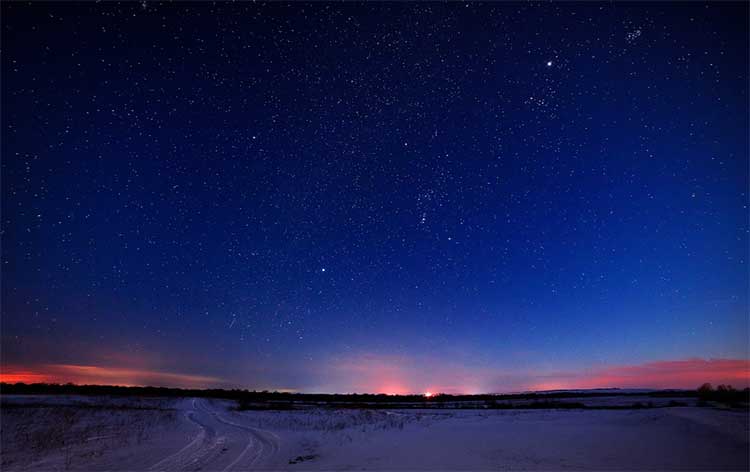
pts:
pixel 221 443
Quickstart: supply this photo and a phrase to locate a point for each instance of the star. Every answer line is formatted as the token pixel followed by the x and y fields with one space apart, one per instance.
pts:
pixel 549 63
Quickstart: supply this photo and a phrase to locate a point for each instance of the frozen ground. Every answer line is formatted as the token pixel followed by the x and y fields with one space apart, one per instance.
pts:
pixel 102 433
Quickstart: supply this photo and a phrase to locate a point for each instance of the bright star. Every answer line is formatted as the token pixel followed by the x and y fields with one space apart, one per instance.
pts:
pixel 549 63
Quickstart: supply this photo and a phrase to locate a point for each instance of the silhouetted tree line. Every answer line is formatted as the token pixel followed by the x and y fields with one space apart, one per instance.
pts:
pixel 250 397
pixel 725 394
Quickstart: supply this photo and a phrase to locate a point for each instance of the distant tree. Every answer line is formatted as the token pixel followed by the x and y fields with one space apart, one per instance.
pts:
pixel 705 393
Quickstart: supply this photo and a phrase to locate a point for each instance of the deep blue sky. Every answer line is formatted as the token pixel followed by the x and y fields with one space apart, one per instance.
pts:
pixel 384 197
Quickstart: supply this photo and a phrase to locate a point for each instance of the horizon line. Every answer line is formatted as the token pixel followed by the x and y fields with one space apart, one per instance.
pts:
pixel 291 392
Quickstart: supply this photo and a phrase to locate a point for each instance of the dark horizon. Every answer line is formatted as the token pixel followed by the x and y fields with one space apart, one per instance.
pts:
pixel 99 389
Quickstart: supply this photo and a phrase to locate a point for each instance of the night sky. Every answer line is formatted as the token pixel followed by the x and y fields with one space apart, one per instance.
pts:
pixel 393 198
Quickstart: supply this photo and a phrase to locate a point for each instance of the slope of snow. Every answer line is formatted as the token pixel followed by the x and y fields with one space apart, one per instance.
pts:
pixel 98 433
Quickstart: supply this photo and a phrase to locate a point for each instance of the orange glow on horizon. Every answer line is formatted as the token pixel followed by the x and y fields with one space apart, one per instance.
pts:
pixel 24 377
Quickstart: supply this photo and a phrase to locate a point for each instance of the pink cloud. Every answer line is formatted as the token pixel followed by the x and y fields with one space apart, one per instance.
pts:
pixel 88 374
pixel 686 373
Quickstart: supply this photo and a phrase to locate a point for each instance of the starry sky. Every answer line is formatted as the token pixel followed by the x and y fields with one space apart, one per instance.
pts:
pixel 390 197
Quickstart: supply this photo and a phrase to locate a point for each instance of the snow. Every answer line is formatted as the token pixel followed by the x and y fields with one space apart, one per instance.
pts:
pixel 97 433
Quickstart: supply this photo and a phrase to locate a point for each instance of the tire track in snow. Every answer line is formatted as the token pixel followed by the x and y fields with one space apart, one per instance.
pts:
pixel 266 442
pixel 242 454
pixel 202 445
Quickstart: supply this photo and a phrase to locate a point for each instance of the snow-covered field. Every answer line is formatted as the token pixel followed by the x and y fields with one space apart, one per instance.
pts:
pixel 103 433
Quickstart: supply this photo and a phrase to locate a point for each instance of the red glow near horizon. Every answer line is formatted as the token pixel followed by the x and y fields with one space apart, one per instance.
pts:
pixel 400 376
pixel 25 377
pixel 687 373
pixel 87 374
